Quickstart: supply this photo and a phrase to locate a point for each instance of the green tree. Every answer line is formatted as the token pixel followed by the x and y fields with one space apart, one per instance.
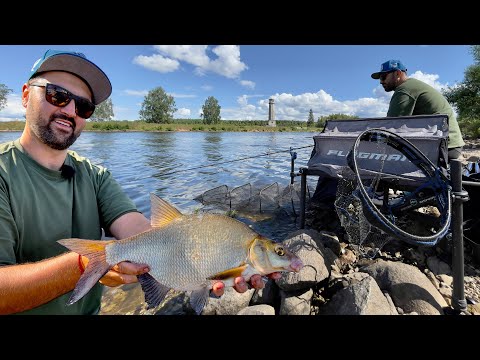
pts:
pixel 4 91
pixel 211 111
pixel 158 107
pixel 465 97
pixel 337 116
pixel 311 119
pixel 103 111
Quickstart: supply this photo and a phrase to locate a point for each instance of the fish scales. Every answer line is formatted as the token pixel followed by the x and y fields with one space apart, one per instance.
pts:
pixel 182 252
pixel 188 250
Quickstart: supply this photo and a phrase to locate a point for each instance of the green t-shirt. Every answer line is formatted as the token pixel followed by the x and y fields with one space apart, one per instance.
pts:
pixel 414 97
pixel 38 207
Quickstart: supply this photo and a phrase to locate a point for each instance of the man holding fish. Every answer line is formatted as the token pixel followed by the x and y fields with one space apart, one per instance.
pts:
pixel 49 193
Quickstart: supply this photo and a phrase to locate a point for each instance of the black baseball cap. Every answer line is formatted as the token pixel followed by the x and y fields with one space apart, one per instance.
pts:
pixel 77 64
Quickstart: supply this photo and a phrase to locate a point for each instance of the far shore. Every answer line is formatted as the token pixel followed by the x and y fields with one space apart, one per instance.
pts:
pixel 184 125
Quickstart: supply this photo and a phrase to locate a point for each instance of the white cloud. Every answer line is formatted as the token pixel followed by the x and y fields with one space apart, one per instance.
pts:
pixel 182 113
pixel 192 54
pixel 380 93
pixel 227 62
pixel 182 96
pixel 207 87
pixel 136 92
pixel 14 109
pixel 367 107
pixel 157 63
pixel 242 100
pixel 245 111
pixel 248 84
pixel 430 79
pixel 120 112
pixel 145 93
pixel 297 107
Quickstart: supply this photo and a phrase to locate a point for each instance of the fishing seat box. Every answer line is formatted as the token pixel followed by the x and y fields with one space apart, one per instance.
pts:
pixel 429 133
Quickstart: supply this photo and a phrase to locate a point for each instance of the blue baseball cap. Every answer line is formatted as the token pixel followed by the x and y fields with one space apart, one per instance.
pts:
pixel 390 65
pixel 77 64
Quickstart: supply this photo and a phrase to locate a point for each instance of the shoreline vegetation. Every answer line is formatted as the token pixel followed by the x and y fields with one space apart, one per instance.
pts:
pixel 184 125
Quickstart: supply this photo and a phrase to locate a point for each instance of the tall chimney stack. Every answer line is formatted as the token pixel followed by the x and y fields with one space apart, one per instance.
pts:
pixel 271 113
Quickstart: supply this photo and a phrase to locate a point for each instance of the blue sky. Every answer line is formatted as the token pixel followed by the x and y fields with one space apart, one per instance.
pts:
pixel 325 78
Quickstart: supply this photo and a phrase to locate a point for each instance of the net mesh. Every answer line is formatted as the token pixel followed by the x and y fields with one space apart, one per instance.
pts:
pixel 349 209
pixel 389 192
pixel 255 199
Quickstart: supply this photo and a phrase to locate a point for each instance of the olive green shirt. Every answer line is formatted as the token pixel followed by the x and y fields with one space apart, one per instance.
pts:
pixel 414 97
pixel 38 207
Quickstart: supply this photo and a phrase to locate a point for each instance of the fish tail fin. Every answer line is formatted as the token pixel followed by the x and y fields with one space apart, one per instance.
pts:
pixel 97 265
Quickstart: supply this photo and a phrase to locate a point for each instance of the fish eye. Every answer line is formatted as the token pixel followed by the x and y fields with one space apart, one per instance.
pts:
pixel 280 250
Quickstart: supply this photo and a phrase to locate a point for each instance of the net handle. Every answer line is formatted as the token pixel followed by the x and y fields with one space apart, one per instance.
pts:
pixel 373 214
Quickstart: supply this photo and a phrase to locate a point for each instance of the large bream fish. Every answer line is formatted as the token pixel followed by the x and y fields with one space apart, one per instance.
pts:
pixel 185 253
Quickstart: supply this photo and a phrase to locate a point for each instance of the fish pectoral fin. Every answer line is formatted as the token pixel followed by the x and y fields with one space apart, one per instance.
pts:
pixel 199 298
pixel 229 273
pixel 153 290
pixel 162 213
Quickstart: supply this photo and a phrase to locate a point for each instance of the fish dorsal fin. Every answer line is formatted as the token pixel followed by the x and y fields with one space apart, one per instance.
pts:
pixel 161 212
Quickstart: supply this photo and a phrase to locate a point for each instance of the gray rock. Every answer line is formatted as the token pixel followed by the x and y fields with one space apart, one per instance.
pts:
pixel 409 288
pixel 257 310
pixel 230 303
pixel 437 266
pixel 331 241
pixel 316 263
pixel 360 298
pixel 393 309
pixel 296 303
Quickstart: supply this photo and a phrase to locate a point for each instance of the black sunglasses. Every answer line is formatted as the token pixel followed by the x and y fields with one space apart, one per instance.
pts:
pixel 58 96
pixel 384 75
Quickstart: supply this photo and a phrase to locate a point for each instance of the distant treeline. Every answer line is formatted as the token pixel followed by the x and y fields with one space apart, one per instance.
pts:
pixel 180 125
pixel 198 125
pixel 286 123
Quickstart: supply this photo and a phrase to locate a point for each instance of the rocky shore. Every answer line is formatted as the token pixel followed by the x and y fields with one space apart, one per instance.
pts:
pixel 336 280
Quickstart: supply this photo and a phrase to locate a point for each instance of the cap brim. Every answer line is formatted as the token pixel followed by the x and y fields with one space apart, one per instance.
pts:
pixel 377 74
pixel 95 78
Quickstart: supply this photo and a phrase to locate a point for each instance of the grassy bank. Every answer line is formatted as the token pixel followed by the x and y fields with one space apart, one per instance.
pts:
pixel 181 125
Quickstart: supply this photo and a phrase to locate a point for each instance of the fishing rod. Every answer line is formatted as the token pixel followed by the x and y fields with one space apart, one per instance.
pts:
pixel 240 159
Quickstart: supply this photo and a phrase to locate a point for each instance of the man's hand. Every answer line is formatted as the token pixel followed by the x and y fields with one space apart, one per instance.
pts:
pixel 241 285
pixel 123 273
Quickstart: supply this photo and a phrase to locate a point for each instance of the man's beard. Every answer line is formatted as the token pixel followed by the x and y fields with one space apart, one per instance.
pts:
pixel 388 88
pixel 47 135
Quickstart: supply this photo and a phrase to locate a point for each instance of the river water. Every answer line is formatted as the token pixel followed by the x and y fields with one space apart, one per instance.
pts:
pixel 180 166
